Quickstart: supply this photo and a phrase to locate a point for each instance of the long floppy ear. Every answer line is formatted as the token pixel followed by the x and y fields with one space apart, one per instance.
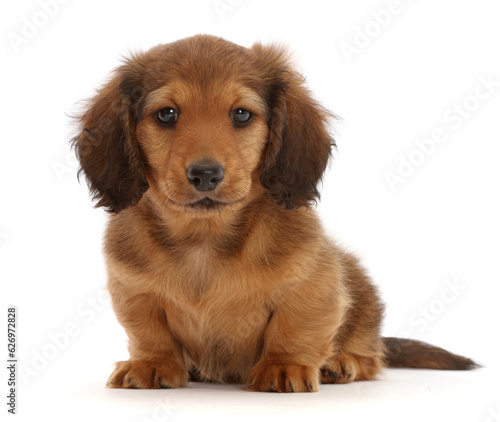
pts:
pixel 299 144
pixel 106 146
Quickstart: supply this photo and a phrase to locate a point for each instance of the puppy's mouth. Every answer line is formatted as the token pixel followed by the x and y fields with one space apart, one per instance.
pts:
pixel 206 204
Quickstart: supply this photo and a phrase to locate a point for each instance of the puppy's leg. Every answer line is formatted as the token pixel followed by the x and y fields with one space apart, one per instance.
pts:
pixel 358 355
pixel 156 359
pixel 358 352
pixel 297 341
pixel 358 347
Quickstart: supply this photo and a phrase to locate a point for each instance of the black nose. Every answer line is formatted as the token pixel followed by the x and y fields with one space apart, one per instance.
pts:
pixel 205 177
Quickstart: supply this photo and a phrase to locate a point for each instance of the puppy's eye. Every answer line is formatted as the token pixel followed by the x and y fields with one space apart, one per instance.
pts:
pixel 240 116
pixel 167 116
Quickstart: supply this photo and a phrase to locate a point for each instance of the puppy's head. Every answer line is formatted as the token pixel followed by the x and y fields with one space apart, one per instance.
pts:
pixel 203 124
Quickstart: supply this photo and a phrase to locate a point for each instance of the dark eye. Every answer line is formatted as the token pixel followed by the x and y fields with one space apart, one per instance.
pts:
pixel 241 116
pixel 167 116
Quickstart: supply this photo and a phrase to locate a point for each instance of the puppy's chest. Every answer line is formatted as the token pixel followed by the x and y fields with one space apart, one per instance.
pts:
pixel 231 321
pixel 210 301
pixel 204 274
pixel 220 338
pixel 218 308
pixel 199 265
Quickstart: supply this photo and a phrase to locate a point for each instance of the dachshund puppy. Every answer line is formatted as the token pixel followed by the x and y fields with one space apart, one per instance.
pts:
pixel 207 156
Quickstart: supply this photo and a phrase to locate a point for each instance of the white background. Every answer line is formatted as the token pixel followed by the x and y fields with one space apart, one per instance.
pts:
pixel 439 226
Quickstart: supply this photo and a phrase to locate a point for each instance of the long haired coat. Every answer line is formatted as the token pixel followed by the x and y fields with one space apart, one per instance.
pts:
pixel 207 156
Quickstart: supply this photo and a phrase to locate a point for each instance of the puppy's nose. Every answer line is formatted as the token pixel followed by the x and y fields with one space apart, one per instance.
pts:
pixel 205 177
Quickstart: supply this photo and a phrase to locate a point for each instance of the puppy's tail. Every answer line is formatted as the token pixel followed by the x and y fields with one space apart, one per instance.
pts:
pixel 405 353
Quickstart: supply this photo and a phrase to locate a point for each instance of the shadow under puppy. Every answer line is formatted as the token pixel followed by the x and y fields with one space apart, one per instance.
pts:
pixel 207 156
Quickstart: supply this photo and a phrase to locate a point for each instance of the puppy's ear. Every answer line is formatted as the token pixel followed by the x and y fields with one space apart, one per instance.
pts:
pixel 299 145
pixel 106 146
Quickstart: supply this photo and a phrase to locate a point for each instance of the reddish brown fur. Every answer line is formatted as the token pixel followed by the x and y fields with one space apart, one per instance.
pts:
pixel 250 289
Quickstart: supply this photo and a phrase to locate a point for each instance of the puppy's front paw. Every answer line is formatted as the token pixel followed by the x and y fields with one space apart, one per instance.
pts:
pixel 282 378
pixel 147 374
